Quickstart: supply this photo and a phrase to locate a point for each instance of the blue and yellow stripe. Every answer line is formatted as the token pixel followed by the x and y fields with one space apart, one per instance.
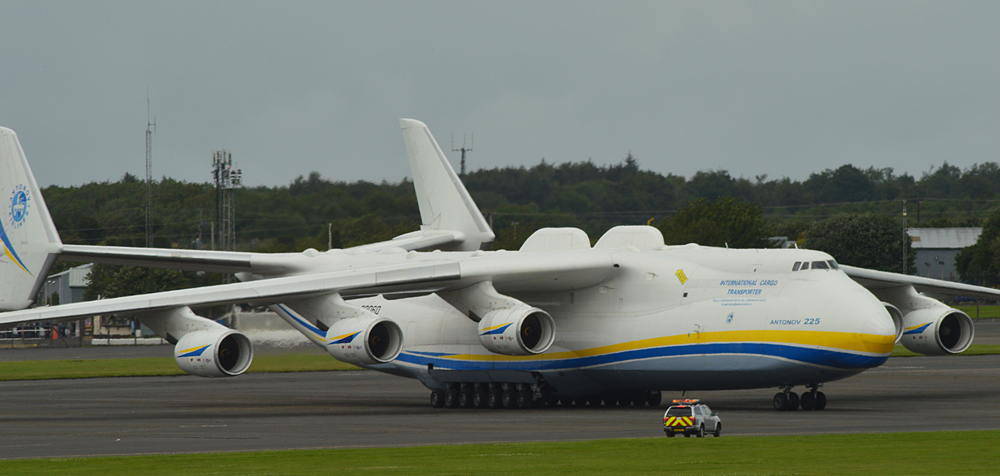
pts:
pixel 831 349
pixel 9 251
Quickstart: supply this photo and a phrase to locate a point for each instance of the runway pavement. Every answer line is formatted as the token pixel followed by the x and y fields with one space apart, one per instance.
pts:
pixel 115 416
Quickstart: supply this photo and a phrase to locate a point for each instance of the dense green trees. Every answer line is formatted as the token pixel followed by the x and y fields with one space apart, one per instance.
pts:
pixel 516 200
pixel 726 221
pixel 980 263
pixel 863 240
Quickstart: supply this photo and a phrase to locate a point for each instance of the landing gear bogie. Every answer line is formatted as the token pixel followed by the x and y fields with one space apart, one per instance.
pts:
pixel 790 401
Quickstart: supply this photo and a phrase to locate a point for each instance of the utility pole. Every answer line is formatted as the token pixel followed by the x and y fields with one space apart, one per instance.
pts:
pixel 227 180
pixel 463 150
pixel 150 128
pixel 904 237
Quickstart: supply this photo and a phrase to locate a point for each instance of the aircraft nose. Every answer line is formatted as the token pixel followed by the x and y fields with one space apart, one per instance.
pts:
pixel 878 332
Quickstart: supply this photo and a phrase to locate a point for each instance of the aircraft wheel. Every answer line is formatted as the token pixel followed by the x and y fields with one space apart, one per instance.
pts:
pixel 639 399
pixel 808 401
pixel 820 400
pixel 793 401
pixel 594 401
pixel 495 398
pixel 451 398
pixel 465 398
pixel 610 402
pixel 552 401
pixel 510 398
pixel 701 432
pixel 437 399
pixel 780 401
pixel 718 430
pixel 566 402
pixel 480 399
pixel 525 398
pixel 654 398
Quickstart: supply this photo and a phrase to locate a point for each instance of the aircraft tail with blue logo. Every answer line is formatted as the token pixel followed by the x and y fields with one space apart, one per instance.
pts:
pixel 29 243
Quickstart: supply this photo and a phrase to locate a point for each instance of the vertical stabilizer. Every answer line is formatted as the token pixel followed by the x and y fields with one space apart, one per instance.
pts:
pixel 29 243
pixel 444 202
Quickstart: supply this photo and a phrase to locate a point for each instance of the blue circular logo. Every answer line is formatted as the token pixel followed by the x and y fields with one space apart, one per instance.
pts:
pixel 19 205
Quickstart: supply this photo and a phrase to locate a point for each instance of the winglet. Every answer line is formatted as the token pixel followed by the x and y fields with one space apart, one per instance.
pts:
pixel 29 243
pixel 444 202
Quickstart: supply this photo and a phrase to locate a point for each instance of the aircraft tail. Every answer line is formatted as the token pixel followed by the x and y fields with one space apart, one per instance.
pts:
pixel 28 237
pixel 444 202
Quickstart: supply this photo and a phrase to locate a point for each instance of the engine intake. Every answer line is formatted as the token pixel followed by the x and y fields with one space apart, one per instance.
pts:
pixel 897 319
pixel 364 340
pixel 937 331
pixel 521 331
pixel 214 353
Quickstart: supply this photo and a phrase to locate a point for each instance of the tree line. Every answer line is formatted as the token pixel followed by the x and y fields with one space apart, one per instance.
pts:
pixel 315 212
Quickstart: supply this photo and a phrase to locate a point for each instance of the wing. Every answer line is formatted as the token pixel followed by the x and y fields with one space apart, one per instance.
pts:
pixel 510 271
pixel 879 280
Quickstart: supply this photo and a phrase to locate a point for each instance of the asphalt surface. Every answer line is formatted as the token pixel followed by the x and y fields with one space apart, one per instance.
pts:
pixel 116 416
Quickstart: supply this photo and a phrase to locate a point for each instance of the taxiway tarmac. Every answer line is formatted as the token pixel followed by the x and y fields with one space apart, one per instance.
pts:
pixel 117 416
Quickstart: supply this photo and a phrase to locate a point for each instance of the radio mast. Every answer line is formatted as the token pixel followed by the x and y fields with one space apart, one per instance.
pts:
pixel 463 150
pixel 150 128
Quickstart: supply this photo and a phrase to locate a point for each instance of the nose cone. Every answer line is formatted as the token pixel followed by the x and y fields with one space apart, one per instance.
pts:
pixel 878 333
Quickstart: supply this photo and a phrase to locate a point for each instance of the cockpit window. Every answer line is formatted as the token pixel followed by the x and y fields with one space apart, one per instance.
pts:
pixel 795 267
pixel 820 265
pixel 805 265
pixel 833 264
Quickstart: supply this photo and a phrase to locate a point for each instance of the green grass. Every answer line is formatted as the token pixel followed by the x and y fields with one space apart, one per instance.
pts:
pixel 985 312
pixel 976 349
pixel 933 453
pixel 155 366
pixel 163 366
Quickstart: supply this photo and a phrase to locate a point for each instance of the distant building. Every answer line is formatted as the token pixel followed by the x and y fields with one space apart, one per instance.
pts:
pixel 937 247
pixel 69 285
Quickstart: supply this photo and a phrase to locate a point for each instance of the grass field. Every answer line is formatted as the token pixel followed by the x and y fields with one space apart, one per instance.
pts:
pixel 155 366
pixel 985 312
pixel 163 366
pixel 935 453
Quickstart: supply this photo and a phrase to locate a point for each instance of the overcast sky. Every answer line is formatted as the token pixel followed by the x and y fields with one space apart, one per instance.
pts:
pixel 776 88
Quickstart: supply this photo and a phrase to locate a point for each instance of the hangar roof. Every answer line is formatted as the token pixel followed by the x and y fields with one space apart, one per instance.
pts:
pixel 943 238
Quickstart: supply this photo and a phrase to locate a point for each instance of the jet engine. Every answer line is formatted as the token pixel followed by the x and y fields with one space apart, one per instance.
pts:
pixel 214 353
pixel 519 331
pixel 897 319
pixel 937 331
pixel 364 340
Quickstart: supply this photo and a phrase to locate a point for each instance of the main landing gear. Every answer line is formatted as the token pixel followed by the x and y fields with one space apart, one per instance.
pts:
pixel 788 400
pixel 522 396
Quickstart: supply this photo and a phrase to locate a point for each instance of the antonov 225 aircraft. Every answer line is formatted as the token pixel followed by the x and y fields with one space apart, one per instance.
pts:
pixel 557 321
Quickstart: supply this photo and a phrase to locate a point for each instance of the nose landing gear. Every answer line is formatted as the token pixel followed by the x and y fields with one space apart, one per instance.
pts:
pixel 787 400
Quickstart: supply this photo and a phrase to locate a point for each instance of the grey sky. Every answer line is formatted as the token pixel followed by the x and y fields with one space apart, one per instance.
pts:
pixel 776 88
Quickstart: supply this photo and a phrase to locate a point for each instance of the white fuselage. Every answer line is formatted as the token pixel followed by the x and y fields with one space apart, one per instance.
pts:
pixel 677 318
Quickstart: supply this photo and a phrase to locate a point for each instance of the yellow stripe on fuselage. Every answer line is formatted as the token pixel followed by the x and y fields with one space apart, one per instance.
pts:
pixel 842 341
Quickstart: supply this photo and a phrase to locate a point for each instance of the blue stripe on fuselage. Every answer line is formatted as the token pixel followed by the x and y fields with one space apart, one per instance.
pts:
pixel 828 358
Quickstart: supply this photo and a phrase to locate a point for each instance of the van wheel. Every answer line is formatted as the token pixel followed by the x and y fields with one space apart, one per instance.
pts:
pixel 718 430
pixel 701 431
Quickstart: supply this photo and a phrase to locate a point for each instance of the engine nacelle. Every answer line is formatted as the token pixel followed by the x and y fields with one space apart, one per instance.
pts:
pixel 897 319
pixel 364 340
pixel 519 331
pixel 937 331
pixel 214 353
